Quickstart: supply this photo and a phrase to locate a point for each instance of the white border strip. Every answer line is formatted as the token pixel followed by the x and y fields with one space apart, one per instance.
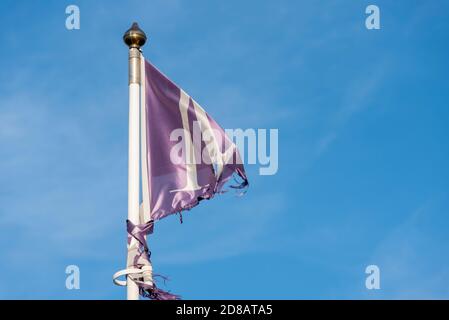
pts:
pixel 145 214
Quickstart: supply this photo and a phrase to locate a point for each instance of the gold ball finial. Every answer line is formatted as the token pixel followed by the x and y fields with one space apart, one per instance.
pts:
pixel 135 37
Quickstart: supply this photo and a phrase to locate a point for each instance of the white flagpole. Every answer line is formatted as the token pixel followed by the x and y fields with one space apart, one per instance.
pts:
pixel 134 38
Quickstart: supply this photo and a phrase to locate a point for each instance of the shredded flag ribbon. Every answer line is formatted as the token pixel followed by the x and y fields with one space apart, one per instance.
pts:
pixel 141 269
pixel 186 158
pixel 139 233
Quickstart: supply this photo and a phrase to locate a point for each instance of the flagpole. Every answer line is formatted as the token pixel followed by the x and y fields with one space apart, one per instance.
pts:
pixel 134 38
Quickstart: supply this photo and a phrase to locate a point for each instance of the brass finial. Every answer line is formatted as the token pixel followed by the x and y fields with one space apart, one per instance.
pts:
pixel 135 37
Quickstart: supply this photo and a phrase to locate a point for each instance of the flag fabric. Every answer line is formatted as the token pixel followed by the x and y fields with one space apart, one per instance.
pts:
pixel 186 158
pixel 187 155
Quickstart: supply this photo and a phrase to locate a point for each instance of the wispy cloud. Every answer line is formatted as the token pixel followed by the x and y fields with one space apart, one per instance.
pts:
pixel 358 96
pixel 412 258
pixel 238 232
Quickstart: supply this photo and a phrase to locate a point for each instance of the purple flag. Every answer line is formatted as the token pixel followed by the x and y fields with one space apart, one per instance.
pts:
pixel 187 155
pixel 186 158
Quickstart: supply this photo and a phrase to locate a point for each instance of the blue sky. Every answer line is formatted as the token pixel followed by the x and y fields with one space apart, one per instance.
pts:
pixel 363 149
